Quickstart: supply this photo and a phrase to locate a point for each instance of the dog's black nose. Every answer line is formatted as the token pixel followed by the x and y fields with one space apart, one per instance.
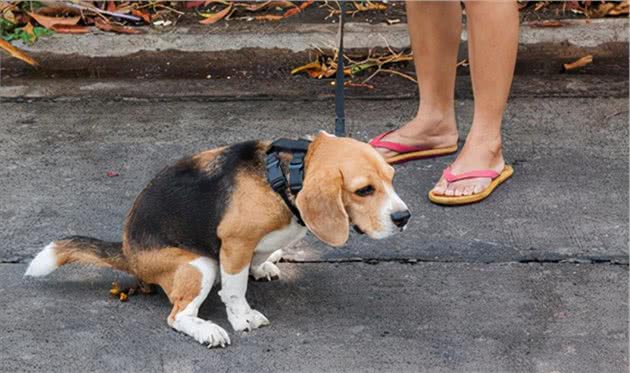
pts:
pixel 400 218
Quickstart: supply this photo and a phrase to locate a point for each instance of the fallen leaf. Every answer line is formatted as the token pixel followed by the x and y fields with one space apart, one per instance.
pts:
pixel 57 9
pixel 297 10
pixel 28 29
pixel 215 17
pixel 539 6
pixel 358 85
pixel 281 4
pixel 291 12
pixel 9 16
pixel 4 6
pixel 208 2
pixel 545 23
pixel 579 63
pixel 123 297
pixel 193 4
pixel 256 6
pixel 70 29
pixel 269 17
pixel 146 17
pixel 115 290
pixel 102 25
pixel 601 11
pixel 48 22
pixel 17 53
pixel 111 6
pixel 112 174
pixel 621 8
pixel 309 66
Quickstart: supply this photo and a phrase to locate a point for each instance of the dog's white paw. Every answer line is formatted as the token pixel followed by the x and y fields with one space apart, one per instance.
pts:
pixel 204 332
pixel 248 320
pixel 275 256
pixel 267 270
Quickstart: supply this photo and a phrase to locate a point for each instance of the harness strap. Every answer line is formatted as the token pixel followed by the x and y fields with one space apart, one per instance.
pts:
pixel 276 177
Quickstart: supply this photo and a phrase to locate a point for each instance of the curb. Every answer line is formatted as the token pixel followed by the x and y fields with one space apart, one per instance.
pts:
pixel 301 38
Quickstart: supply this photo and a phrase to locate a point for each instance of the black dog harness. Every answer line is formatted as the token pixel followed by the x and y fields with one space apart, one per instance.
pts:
pixel 276 177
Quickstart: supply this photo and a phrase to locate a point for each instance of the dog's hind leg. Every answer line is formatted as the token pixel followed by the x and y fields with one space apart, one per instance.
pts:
pixel 187 279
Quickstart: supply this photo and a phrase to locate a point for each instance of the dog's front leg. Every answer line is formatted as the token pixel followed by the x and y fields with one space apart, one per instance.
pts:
pixel 234 276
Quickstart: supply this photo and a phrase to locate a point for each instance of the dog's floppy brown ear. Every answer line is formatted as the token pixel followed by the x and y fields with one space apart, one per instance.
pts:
pixel 321 207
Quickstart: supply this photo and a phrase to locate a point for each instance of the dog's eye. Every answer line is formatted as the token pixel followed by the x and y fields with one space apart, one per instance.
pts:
pixel 365 191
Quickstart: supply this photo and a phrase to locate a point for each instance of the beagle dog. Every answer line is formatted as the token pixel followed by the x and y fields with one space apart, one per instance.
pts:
pixel 213 217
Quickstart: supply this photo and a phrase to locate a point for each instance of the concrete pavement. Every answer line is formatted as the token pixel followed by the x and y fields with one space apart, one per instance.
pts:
pixel 535 279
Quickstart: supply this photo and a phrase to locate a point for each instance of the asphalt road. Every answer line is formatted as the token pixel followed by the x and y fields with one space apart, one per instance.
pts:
pixel 535 279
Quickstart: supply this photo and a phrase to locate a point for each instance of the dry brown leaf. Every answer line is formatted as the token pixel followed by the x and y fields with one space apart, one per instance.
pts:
pixel 621 8
pixel 144 15
pixel 588 59
pixel 255 6
pixel 358 85
pixel 57 9
pixel 309 66
pixel 213 18
pixel 49 22
pixel 70 29
pixel 545 23
pixel 115 290
pixel 29 30
pixel 111 6
pixel 4 6
pixel 281 4
pixel 17 53
pixel 123 297
pixel 208 2
pixel 601 11
pixel 291 12
pixel 269 17
pixel 102 25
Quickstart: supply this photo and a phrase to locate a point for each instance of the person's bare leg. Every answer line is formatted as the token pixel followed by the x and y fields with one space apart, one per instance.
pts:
pixel 435 32
pixel 492 44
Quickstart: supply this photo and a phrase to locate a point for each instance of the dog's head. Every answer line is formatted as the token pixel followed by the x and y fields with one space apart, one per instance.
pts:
pixel 348 182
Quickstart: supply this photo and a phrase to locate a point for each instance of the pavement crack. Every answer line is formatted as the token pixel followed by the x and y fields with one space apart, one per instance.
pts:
pixel 620 260
pixel 606 260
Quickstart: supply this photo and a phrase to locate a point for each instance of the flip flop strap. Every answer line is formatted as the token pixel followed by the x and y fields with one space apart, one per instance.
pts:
pixel 450 177
pixel 393 146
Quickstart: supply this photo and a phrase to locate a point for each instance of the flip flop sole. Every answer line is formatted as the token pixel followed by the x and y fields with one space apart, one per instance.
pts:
pixel 411 156
pixel 465 200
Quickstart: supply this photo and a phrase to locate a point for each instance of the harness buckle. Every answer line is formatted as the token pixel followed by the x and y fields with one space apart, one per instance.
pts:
pixel 275 176
pixel 296 168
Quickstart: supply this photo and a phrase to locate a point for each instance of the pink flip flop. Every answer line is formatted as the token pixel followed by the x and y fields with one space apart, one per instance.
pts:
pixel 497 178
pixel 406 152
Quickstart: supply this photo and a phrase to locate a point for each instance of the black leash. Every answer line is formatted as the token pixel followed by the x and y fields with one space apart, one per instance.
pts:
pixel 298 148
pixel 340 120
pixel 276 176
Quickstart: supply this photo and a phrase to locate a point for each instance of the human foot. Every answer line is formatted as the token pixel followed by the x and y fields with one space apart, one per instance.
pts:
pixel 477 154
pixel 423 132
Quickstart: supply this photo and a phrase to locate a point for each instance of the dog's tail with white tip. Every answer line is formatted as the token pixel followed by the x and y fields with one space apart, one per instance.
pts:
pixel 77 249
